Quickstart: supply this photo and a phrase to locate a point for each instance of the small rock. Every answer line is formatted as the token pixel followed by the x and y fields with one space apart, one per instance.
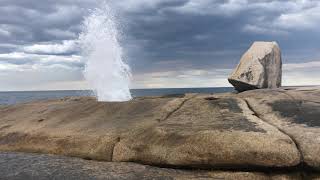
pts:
pixel 260 67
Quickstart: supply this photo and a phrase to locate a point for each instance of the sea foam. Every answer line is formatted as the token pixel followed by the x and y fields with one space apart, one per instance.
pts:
pixel 105 70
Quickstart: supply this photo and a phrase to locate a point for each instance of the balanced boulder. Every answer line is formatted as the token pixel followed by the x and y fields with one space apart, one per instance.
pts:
pixel 260 67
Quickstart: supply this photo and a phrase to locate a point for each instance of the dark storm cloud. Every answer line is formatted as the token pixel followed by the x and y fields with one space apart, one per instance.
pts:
pixel 168 37
pixel 33 21
pixel 215 36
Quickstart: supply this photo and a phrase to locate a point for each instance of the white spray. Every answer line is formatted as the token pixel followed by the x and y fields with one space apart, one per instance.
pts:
pixel 106 72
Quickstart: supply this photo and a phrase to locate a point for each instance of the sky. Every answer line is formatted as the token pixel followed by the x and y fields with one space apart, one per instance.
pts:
pixel 167 43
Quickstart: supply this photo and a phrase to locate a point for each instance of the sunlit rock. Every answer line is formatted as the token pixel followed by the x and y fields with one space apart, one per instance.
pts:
pixel 260 67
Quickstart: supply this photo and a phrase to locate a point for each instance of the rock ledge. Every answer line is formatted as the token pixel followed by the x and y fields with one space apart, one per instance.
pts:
pixel 255 131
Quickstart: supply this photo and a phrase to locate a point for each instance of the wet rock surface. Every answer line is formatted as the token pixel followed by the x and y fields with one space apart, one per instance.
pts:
pixel 259 131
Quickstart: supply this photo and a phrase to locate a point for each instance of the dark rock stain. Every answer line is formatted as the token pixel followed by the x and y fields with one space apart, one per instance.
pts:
pixel 299 112
pixel 40 120
pixel 12 138
pixel 211 98
pixel 248 75
pixel 233 118
pixel 173 96
pixel 230 104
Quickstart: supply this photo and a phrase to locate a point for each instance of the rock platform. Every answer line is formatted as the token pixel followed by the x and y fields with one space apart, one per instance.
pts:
pixel 258 134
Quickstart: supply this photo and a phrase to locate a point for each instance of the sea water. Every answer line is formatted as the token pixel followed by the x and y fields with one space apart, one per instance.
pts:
pixel 7 98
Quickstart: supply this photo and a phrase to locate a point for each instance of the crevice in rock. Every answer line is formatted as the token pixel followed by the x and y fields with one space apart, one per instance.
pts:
pixel 255 113
pixel 176 109
pixel 159 120
pixel 118 139
pixel 240 168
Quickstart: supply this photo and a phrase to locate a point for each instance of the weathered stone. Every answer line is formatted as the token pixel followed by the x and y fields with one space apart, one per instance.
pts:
pixel 210 133
pixel 260 67
pixel 21 166
pixel 294 112
pixel 79 127
pixel 258 129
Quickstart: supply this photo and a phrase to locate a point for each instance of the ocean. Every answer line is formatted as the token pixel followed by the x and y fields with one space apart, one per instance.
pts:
pixel 14 97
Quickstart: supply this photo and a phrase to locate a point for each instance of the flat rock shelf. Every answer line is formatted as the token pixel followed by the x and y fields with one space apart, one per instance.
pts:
pixel 258 134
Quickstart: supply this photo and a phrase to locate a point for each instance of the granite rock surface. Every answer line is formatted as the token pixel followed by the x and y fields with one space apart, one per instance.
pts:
pixel 260 67
pixel 275 130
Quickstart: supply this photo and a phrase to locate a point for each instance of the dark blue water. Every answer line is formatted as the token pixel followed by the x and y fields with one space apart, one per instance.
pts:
pixel 7 98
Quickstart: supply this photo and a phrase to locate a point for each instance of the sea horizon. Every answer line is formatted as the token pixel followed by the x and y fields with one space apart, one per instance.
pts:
pixel 14 97
pixel 143 88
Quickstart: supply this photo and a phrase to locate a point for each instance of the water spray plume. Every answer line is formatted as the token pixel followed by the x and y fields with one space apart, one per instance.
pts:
pixel 105 70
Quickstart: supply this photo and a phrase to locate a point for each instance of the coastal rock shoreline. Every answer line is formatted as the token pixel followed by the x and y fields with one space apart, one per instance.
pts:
pixel 268 131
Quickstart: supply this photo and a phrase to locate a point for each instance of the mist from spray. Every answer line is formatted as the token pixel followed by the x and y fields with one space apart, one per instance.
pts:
pixel 105 70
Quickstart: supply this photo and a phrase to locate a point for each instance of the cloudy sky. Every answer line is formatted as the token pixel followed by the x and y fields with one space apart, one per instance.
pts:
pixel 168 43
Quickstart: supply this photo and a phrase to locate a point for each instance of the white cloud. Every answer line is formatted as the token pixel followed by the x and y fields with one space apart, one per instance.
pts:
pixel 14 55
pixel 5 67
pixel 24 58
pixel 38 76
pixel 137 5
pixel 302 19
pixel 66 47
pixel 295 66
pixel 263 30
pixel 63 85
pixel 63 34
pixel 8 45
pixel 62 15
pixel 183 79
pixel 285 17
pixel 301 77
pixel 4 32
pixel 301 74
pixel 294 74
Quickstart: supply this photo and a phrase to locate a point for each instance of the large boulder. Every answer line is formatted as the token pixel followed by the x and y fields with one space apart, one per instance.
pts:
pixel 260 67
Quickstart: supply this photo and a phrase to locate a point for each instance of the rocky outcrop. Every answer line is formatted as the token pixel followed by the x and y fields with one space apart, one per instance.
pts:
pixel 259 130
pixel 260 67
